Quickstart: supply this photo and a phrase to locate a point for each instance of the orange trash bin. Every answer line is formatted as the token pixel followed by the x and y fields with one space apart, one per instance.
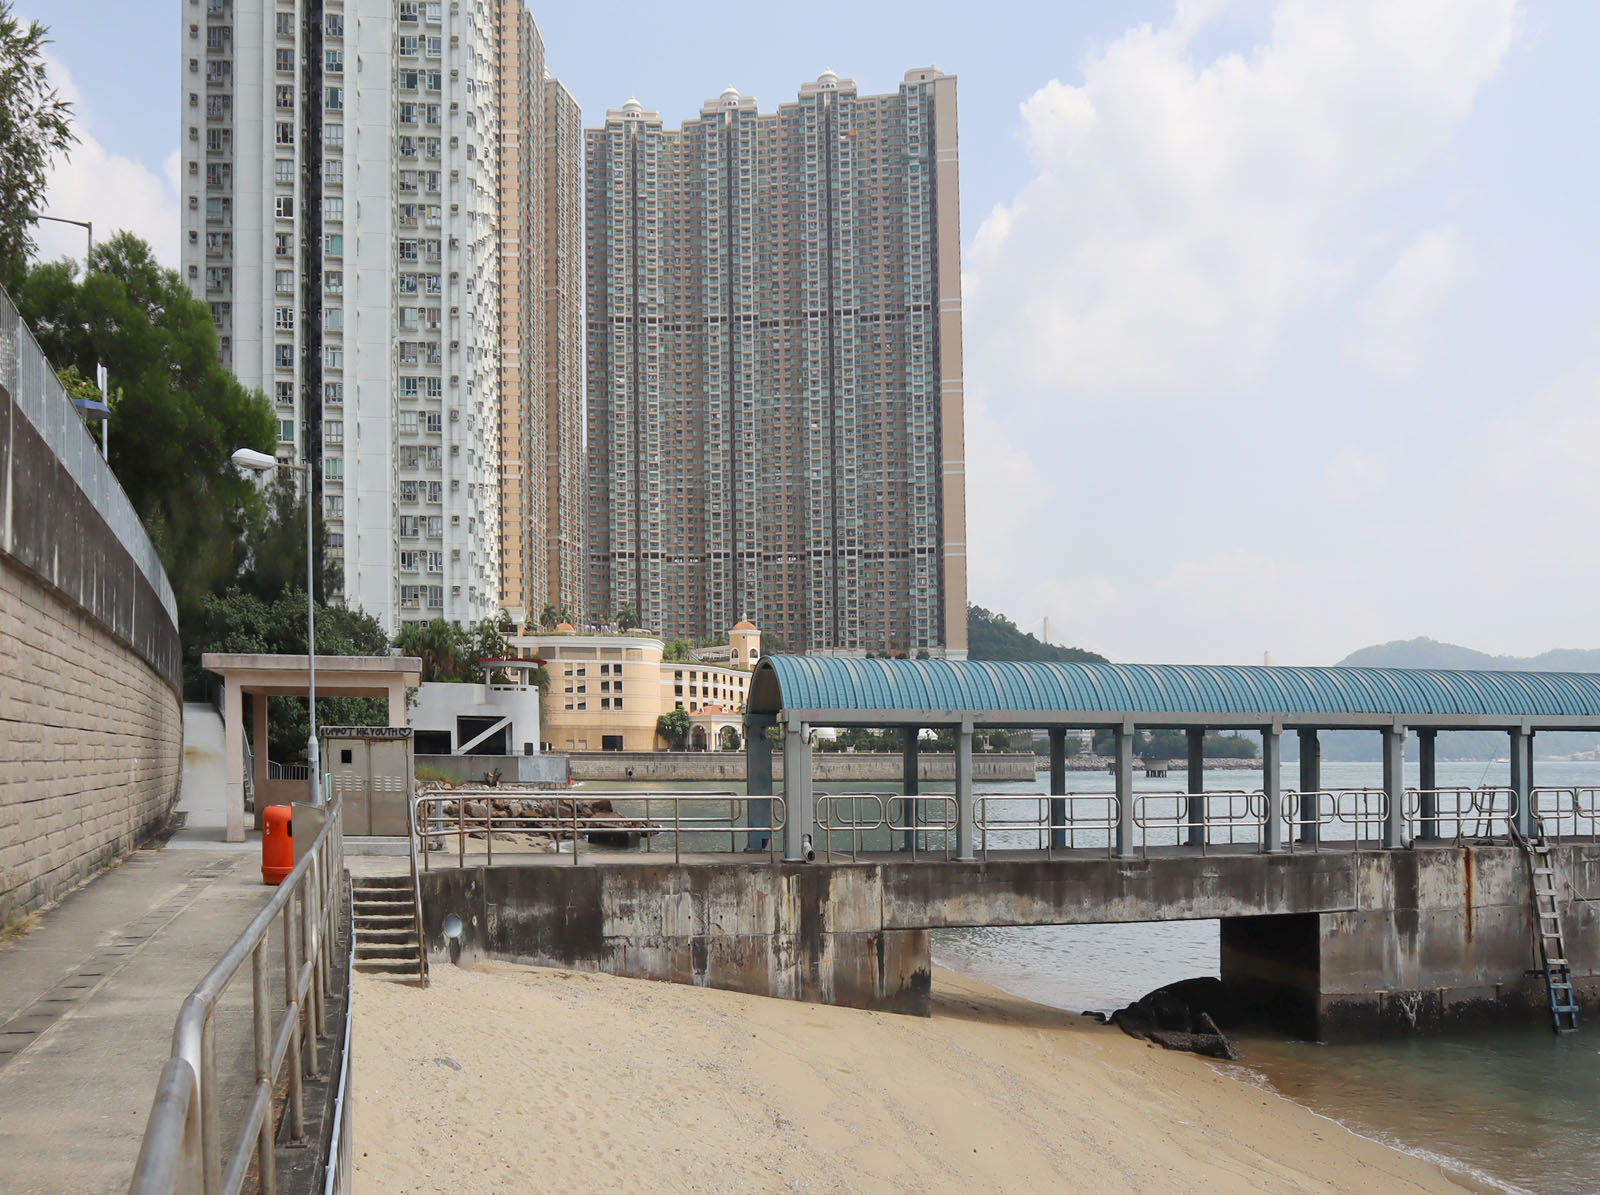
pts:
pixel 277 843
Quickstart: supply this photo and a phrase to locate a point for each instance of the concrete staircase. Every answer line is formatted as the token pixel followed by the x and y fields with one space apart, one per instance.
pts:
pixel 387 934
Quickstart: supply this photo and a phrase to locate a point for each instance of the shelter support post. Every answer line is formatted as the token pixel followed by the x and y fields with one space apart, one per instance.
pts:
pixel 1058 786
pixel 1196 812
pixel 233 753
pixel 259 747
pixel 1124 758
pixel 1394 785
pixel 797 827
pixel 758 779
pixel 1272 786
pixel 1522 778
pixel 964 802
pixel 1310 783
pixel 909 736
pixel 1427 783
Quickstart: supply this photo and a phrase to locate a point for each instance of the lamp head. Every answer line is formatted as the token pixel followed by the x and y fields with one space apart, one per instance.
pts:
pixel 249 458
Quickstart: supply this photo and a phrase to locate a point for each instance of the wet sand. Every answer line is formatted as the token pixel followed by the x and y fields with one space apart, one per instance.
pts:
pixel 512 1078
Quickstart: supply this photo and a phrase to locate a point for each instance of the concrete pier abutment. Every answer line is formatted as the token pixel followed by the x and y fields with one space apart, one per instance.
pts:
pixel 1331 945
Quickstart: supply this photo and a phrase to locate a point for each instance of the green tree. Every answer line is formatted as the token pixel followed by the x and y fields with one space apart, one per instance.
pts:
pixel 180 413
pixel 675 651
pixel 673 728
pixel 627 618
pixel 438 644
pixel 730 739
pixel 34 128
pixel 276 558
pixel 549 616
pixel 992 636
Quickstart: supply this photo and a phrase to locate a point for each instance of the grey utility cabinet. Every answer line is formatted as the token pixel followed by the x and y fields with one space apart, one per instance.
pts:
pixel 373 768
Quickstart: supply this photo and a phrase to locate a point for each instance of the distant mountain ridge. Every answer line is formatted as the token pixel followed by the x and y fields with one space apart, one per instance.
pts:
pixel 1430 653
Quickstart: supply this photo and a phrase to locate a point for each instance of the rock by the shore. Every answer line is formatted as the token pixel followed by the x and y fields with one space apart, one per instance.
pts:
pixel 1183 1016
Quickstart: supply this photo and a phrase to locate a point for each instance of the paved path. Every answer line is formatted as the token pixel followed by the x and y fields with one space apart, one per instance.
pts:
pixel 88 998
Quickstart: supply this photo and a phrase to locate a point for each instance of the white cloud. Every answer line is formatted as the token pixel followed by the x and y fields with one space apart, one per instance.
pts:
pixel 1354 476
pixel 1395 324
pixel 111 190
pixel 1180 210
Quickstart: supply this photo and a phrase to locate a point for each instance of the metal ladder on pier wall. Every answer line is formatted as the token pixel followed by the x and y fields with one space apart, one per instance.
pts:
pixel 388 939
pixel 1552 944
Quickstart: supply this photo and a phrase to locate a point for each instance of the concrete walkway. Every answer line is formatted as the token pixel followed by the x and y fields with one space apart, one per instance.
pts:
pixel 88 998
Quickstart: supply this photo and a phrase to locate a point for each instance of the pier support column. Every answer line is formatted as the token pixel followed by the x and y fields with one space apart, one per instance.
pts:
pixel 1196 812
pixel 909 780
pixel 1394 784
pixel 1058 786
pixel 1427 783
pixel 1124 757
pixel 964 802
pixel 797 820
pixel 1522 778
pixel 1310 783
pixel 758 779
pixel 1272 786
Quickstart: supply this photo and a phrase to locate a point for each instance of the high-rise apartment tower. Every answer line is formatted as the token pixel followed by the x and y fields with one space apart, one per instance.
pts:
pixel 360 216
pixel 774 368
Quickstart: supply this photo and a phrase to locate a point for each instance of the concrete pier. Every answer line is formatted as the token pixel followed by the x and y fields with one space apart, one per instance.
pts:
pixel 1332 944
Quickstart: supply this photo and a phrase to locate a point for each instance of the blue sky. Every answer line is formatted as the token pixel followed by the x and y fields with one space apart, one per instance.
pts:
pixel 1282 332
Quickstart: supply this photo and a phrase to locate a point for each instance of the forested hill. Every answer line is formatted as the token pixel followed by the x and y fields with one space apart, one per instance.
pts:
pixel 1430 653
pixel 993 636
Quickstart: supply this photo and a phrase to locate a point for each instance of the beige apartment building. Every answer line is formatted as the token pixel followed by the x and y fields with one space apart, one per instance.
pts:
pixel 606 691
pixel 774 368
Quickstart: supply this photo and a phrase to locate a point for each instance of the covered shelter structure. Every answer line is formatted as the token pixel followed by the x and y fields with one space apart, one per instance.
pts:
pixel 261 676
pixel 800 693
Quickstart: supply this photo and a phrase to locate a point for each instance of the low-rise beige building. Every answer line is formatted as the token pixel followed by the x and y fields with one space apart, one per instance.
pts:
pixel 606 691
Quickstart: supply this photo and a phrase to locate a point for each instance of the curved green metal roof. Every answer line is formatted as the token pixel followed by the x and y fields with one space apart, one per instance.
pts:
pixel 852 686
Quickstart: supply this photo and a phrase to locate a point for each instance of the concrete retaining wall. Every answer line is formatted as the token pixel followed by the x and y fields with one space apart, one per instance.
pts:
pixel 543 769
pixel 91 720
pixel 791 931
pixel 827 767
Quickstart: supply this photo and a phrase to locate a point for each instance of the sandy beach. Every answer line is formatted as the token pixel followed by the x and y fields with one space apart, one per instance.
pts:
pixel 513 1078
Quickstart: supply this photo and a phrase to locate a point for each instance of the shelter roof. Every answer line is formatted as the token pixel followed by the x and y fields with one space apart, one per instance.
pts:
pixel 848 691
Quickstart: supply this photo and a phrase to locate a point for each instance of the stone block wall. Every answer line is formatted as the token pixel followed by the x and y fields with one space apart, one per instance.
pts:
pixel 91 714
pixel 91 745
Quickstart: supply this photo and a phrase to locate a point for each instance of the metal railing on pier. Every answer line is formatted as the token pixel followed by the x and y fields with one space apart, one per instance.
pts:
pixel 1025 815
pixel 1460 812
pixel 1571 812
pixel 872 818
pixel 705 819
pixel 186 1146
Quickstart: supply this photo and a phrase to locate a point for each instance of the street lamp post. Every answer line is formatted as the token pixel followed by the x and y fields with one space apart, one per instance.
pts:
pixel 249 458
pixel 99 370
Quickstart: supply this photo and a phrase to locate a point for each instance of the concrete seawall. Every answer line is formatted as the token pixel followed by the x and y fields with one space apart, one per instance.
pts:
pixel 91 720
pixel 1336 945
pixel 829 767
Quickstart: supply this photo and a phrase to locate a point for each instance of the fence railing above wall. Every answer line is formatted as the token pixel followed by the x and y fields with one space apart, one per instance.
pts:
pixel 28 377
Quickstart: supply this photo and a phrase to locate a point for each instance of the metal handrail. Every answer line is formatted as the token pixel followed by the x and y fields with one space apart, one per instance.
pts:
pixel 567 824
pixel 416 891
pixel 823 819
pixel 1042 822
pixel 1253 816
pixel 919 824
pixel 339 1174
pixel 1461 806
pixel 183 1136
pixel 1325 811
pixel 1571 803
